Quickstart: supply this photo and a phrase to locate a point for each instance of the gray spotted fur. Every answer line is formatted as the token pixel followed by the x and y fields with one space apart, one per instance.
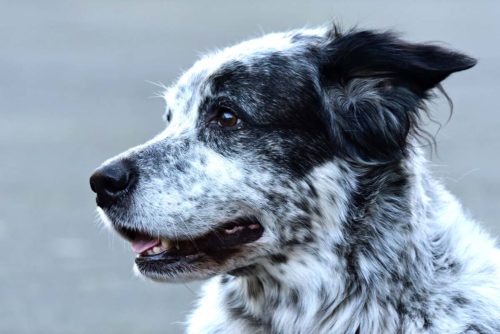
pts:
pixel 353 243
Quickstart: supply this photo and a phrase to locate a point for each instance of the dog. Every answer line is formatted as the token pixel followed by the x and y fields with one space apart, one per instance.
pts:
pixel 292 174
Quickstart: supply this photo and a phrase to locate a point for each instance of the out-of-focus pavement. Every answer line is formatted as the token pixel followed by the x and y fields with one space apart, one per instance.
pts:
pixel 74 91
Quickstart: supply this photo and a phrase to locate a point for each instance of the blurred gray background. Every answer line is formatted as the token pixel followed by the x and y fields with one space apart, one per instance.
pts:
pixel 74 91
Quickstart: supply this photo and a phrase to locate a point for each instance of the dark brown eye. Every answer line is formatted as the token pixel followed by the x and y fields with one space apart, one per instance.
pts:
pixel 226 118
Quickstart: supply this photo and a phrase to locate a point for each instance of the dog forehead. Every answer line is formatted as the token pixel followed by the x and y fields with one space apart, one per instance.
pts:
pixel 184 97
pixel 245 52
pixel 248 51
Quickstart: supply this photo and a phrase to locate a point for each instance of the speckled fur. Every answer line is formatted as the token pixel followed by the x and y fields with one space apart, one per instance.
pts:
pixel 359 237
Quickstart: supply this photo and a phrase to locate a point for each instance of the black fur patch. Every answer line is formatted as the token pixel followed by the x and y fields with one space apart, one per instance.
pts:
pixel 401 75
pixel 277 100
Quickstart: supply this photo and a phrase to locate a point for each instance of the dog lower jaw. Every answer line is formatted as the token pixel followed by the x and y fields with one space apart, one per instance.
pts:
pixel 176 271
pixel 194 267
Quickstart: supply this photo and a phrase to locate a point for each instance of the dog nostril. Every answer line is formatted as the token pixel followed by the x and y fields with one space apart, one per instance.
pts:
pixel 110 181
pixel 115 182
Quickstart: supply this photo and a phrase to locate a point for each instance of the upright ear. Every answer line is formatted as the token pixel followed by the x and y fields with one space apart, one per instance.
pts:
pixel 375 84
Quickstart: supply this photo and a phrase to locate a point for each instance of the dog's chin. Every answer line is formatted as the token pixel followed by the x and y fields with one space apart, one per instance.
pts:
pixel 229 246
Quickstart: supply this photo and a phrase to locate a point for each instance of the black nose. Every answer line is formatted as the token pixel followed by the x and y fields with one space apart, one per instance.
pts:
pixel 110 182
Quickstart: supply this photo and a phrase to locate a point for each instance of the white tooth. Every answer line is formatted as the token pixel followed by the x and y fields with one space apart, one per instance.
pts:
pixel 231 231
pixel 156 250
pixel 234 229
pixel 166 244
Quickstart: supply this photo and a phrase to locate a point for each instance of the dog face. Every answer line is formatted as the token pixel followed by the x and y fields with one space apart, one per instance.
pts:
pixel 260 139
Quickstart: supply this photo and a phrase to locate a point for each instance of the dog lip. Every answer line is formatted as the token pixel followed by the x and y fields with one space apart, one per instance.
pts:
pixel 232 234
pixel 217 245
pixel 168 258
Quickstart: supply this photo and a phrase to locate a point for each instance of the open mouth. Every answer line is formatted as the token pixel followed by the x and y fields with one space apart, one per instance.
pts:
pixel 160 254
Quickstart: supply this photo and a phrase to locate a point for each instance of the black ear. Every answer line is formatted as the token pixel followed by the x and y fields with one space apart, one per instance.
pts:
pixel 365 52
pixel 376 83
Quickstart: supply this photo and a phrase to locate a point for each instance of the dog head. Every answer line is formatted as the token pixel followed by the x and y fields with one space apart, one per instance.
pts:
pixel 260 138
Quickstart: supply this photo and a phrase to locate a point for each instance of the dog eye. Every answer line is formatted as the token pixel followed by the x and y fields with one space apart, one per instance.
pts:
pixel 226 118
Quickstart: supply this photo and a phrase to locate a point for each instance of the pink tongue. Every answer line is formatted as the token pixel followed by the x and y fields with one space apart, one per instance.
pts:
pixel 141 245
